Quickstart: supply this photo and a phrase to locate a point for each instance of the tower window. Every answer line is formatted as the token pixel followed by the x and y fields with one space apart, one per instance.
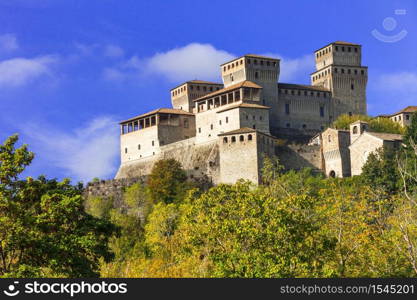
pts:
pixel 233 139
pixel 362 72
pixel 348 71
pixel 343 49
pixel 288 125
pixel 211 127
pixel 355 130
pixel 248 61
pixel 356 49
pixel 352 87
pixel 348 49
pixel 249 137
pixel 153 143
pixel 304 126
pixel 256 74
pixel 407 117
pixel 356 72
pixel 337 48
pixel 343 71
pixel 225 140
pixel 350 113
pixel 227 119
pixel 220 122
pixel 255 61
pixel 125 150
pixel 139 147
pixel 262 62
pixel 287 108
pixel 322 111
pixel 241 138
pixel 199 130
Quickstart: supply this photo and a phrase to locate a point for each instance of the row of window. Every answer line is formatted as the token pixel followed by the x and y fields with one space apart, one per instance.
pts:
pixel 197 88
pixel 287 110
pixel 248 61
pixel 300 92
pixel 138 125
pixel 233 139
pixel 211 125
pixel 342 48
pixel 398 118
pixel 336 70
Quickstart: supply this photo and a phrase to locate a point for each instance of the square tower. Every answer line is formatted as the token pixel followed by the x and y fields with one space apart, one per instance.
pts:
pixel 339 68
pixel 183 96
pixel 261 70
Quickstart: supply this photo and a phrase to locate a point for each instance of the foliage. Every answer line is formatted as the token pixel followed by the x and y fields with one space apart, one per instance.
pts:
pixel 44 229
pixel 377 124
pixel 166 181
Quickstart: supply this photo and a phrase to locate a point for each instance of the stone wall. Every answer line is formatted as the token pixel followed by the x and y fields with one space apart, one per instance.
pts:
pixel 113 188
pixel 294 156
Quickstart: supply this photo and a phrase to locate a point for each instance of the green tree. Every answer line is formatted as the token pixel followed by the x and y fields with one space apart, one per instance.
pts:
pixel 44 230
pixel 381 171
pixel 375 124
pixel 167 181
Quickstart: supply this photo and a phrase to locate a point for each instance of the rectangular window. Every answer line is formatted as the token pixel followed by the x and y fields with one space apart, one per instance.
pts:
pixel 322 111
pixel 135 125
pixel 287 108
pixel 227 119
pixel 185 123
pixel 199 130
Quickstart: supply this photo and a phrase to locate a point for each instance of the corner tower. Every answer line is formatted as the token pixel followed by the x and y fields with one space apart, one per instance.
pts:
pixel 339 68
pixel 261 70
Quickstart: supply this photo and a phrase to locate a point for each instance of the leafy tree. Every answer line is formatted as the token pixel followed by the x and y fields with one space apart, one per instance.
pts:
pixel 381 171
pixel 167 181
pixel 44 229
pixel 375 124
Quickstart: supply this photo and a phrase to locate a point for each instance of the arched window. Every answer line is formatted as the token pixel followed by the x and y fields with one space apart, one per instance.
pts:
pixel 355 129
pixel 225 139
pixel 241 138
pixel 332 174
pixel 233 139
pixel 249 137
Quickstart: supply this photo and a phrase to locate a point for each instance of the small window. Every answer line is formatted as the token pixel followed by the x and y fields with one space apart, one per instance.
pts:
pixel 211 127
pixel 350 113
pixel 254 126
pixel 199 130
pixel 362 72
pixel 220 122
pixel 260 118
pixel 225 139
pixel 322 111
pixel 233 139
pixel 227 119
pixel 256 75
pixel 288 125
pixel 352 87
pixel 139 147
pixel 249 137
pixel 355 130
pixel 337 48
pixel 407 117
pixel 125 150
pixel 153 143
pixel 186 123
pixel 329 138
pixel 241 138
pixel 304 126
pixel 287 108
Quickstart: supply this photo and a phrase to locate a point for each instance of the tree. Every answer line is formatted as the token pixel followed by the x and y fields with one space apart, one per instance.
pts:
pixel 375 124
pixel 167 181
pixel 381 171
pixel 44 230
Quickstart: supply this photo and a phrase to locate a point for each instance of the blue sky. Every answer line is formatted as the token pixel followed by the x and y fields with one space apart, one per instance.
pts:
pixel 70 70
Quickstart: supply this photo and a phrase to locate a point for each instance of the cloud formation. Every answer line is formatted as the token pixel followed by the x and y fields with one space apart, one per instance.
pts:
pixel 113 51
pixel 8 43
pixel 20 71
pixel 405 82
pixel 193 61
pixel 198 61
pixel 84 153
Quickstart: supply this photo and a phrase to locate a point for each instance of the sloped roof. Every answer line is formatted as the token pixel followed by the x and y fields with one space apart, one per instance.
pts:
pixel 386 136
pixel 245 105
pixel 408 109
pixel 160 111
pixel 245 83
pixel 302 87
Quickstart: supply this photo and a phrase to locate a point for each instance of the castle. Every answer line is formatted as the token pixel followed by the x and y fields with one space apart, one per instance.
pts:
pixel 221 132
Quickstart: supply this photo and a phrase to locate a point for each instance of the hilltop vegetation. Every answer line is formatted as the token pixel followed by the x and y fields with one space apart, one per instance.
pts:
pixel 377 124
pixel 296 224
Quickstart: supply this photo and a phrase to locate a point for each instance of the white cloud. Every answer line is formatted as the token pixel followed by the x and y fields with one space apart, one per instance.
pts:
pixel 295 69
pixel 113 51
pixel 8 43
pixel 193 61
pixel 19 71
pixel 84 153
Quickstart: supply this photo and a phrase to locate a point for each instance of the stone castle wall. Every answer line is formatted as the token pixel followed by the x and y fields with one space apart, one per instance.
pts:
pixel 295 156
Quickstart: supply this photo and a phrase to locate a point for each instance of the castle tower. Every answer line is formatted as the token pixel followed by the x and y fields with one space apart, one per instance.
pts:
pixel 183 95
pixel 356 129
pixel 339 68
pixel 261 70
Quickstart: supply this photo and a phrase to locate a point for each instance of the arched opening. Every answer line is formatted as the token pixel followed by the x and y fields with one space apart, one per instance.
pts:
pixel 233 139
pixel 355 129
pixel 332 174
pixel 225 140
pixel 241 138
pixel 249 137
